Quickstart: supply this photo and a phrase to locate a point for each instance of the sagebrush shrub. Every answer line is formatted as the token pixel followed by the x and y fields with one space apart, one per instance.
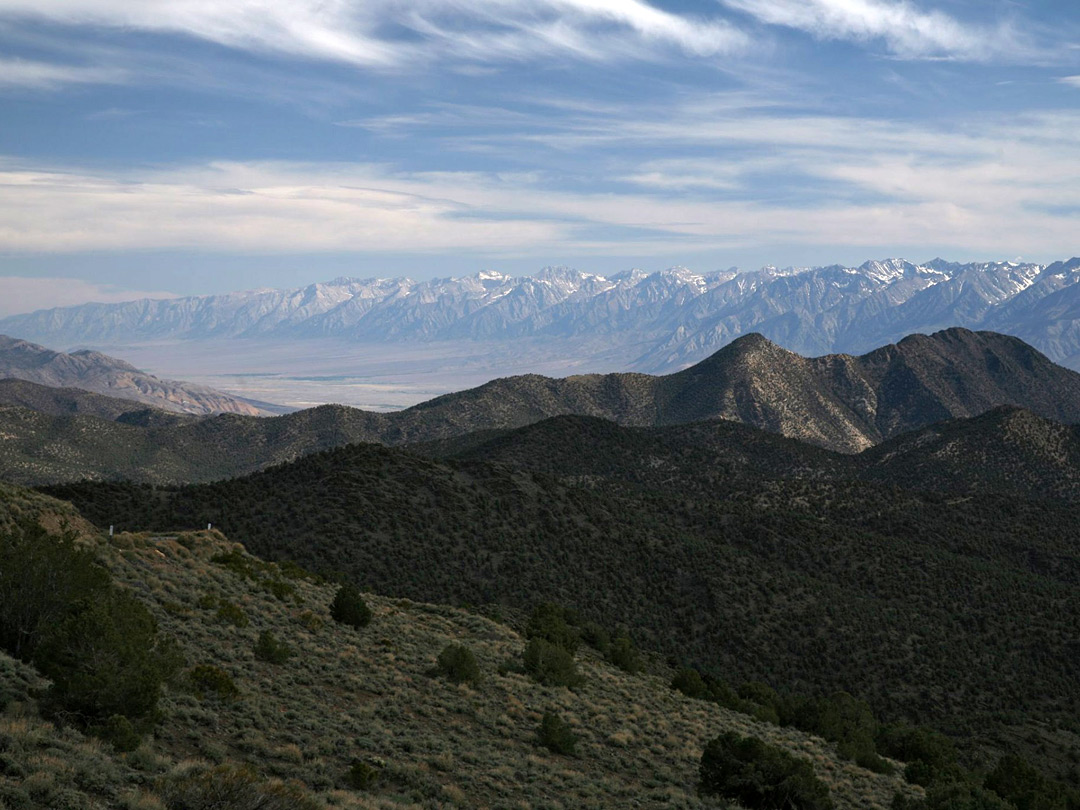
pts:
pixel 270 650
pixel 210 681
pixel 229 613
pixel 233 787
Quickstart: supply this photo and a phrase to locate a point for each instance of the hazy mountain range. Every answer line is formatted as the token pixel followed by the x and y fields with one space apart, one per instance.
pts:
pixel 665 320
pixel 94 372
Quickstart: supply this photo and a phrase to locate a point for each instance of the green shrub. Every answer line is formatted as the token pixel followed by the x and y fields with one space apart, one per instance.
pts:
pixel 759 693
pixel 623 655
pixel 549 622
pixel 210 681
pixel 689 682
pixel 279 588
pixel 42 576
pixel 596 637
pixel 457 663
pixel 229 613
pixel 930 756
pixel 349 607
pixel 119 732
pixel 1018 782
pixel 556 735
pixel 237 562
pixel 232 787
pixel 842 719
pixel 293 570
pixel 760 776
pixel 362 775
pixel 104 658
pixel 270 650
pixel 551 665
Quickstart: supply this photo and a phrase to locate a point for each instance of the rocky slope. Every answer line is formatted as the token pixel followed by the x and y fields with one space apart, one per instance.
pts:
pixel 101 374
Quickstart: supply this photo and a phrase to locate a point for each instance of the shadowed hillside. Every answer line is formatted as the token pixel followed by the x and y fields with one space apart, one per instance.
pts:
pixel 804 581
pixel 360 718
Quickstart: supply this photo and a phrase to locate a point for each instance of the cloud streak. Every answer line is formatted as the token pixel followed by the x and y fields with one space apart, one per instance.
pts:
pixel 391 34
pixel 48 75
pixel 906 30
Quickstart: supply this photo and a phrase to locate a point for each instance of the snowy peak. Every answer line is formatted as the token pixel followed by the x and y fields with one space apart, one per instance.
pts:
pixel 656 321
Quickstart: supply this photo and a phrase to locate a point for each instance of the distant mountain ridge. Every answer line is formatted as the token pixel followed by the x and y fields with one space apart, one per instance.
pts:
pixel 839 402
pixel 666 320
pixel 100 374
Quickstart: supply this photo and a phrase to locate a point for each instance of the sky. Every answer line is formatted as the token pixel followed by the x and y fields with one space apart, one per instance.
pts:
pixel 178 147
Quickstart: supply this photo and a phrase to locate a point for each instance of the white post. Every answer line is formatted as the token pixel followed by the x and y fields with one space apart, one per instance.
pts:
pixel 110 530
pixel 208 527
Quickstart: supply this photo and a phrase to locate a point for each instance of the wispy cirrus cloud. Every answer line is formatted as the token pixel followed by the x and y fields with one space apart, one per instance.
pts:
pixel 1071 80
pixel 394 35
pixel 1010 187
pixel 907 30
pixel 37 75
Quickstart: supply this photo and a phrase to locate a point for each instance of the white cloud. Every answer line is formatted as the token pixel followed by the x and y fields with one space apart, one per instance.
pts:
pixel 252 207
pixel 49 75
pixel 906 30
pixel 1073 80
pixel 20 294
pixel 360 32
pixel 1008 186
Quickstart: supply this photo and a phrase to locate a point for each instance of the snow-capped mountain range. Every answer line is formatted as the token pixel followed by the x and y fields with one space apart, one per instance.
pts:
pixel 675 316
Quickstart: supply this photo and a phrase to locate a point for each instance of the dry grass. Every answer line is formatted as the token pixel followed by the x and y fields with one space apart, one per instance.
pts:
pixel 366 695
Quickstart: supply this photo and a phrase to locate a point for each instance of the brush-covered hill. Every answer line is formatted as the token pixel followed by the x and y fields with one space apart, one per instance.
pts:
pixel 1007 450
pixel 101 374
pixel 837 402
pixel 910 600
pixel 356 718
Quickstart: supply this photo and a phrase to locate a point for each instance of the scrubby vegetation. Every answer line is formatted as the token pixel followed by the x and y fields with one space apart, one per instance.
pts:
pixel 352 721
pixel 704 556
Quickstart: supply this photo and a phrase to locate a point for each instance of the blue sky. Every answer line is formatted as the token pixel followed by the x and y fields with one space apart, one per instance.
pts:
pixel 194 146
